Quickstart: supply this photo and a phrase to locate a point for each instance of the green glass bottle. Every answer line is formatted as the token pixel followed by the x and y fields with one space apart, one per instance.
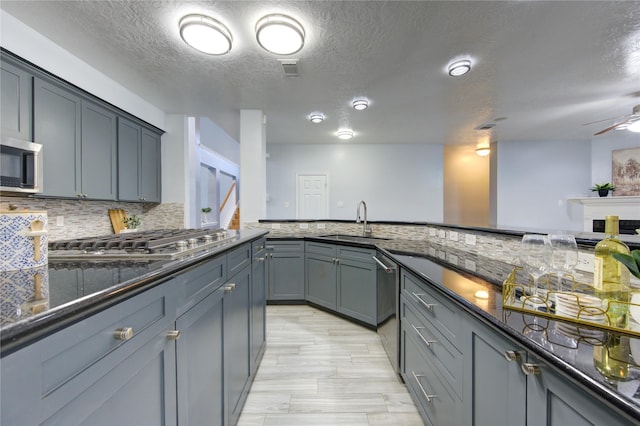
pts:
pixel 611 279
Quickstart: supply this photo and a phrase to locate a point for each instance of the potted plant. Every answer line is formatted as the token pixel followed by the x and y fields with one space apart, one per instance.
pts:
pixel 131 222
pixel 205 210
pixel 603 189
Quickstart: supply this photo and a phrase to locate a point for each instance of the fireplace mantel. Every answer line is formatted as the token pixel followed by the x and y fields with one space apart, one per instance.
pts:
pixel 627 208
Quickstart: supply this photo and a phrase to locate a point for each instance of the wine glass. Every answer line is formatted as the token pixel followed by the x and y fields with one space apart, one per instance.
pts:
pixel 534 256
pixel 564 255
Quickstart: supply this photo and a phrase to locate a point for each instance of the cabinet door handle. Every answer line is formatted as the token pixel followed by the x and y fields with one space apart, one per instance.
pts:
pixel 429 306
pixel 426 395
pixel 424 339
pixel 229 288
pixel 530 369
pixel 261 259
pixel 124 333
pixel 512 355
pixel 173 334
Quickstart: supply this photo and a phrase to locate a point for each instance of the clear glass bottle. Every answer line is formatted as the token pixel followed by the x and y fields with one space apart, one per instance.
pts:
pixel 611 279
pixel 612 358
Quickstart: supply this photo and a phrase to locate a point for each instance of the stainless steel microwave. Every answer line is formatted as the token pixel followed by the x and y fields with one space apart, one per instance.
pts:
pixel 20 166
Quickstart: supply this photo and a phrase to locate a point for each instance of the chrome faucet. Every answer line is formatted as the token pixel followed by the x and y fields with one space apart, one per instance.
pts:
pixel 365 231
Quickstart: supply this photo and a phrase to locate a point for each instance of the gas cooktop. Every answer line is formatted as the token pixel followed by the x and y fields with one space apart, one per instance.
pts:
pixel 155 244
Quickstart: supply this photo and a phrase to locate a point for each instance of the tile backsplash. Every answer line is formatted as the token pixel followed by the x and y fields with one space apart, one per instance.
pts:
pixel 91 218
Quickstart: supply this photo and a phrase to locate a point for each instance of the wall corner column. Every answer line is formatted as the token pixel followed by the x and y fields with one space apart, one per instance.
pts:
pixel 253 168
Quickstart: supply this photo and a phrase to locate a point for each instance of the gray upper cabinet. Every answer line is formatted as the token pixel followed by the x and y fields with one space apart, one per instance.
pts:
pixel 138 163
pixel 57 126
pixel 98 158
pixel 150 167
pixel 79 144
pixel 17 98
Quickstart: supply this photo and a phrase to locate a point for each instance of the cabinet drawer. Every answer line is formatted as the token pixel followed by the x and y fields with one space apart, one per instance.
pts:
pixel 258 247
pixel 320 248
pixel 353 253
pixel 74 358
pixel 237 259
pixel 285 245
pixel 433 399
pixel 444 315
pixel 446 358
pixel 199 282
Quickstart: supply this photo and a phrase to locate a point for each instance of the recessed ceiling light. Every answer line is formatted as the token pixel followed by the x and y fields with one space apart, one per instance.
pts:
pixel 205 34
pixel 483 151
pixel 280 34
pixel 344 134
pixel 459 68
pixel 316 118
pixel 360 104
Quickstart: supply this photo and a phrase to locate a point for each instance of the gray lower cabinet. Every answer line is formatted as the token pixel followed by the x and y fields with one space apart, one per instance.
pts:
pixel 343 279
pixel 285 264
pixel 79 144
pixel 16 97
pixel 200 362
pixel 138 163
pixel 237 352
pixel 258 303
pixel 460 371
pixel 356 284
pixel 115 367
pixel 496 386
pixel 320 274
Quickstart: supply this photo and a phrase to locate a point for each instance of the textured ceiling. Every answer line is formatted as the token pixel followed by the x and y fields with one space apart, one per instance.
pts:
pixel 549 67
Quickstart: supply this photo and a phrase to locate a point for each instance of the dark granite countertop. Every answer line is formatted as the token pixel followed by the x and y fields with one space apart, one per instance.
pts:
pixel 566 346
pixel 71 290
pixel 582 237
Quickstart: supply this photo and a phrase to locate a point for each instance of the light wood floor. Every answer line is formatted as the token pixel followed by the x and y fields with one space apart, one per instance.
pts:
pixel 319 369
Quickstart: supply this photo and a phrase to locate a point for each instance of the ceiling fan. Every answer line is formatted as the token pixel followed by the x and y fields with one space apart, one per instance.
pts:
pixel 630 122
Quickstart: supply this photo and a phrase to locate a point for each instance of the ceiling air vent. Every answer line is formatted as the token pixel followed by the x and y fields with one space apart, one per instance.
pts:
pixel 290 67
pixel 485 126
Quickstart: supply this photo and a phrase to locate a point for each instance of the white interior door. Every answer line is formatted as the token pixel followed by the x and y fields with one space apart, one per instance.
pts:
pixel 312 197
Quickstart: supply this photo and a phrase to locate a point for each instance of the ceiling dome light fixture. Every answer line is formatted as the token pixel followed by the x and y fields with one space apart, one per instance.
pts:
pixel 205 34
pixel 483 151
pixel 344 134
pixel 316 118
pixel 360 104
pixel 280 34
pixel 458 68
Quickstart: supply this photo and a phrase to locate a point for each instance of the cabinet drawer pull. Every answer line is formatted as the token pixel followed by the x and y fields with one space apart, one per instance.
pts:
pixel 173 334
pixel 429 306
pixel 261 259
pixel 530 369
pixel 124 333
pixel 229 288
pixel 426 395
pixel 426 342
pixel 512 355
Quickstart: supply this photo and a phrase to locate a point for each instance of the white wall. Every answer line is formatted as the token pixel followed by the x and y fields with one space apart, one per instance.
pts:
pixel 213 137
pixel 34 47
pixel 601 148
pixel 401 182
pixel 534 180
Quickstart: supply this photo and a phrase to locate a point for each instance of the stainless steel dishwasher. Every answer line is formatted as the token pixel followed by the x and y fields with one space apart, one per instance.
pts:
pixel 387 281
